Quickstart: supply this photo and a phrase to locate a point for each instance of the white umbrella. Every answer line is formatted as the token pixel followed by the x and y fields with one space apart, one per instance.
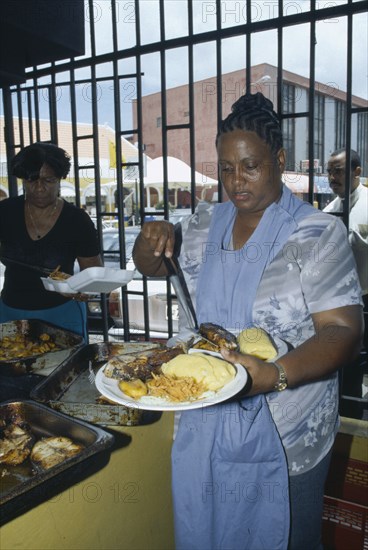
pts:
pixel 66 191
pixel 178 172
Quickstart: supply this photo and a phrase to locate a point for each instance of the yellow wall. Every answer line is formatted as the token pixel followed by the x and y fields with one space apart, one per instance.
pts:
pixel 126 505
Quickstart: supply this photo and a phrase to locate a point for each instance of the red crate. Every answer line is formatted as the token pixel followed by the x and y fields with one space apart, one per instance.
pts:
pixel 347 479
pixel 345 525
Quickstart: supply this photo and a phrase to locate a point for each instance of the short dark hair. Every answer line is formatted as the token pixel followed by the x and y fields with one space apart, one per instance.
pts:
pixel 254 113
pixel 354 157
pixel 28 162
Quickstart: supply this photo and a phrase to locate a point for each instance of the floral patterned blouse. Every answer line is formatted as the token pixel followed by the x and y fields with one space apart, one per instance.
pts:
pixel 315 271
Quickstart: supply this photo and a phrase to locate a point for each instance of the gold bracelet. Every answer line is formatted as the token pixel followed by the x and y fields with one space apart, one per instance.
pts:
pixel 282 382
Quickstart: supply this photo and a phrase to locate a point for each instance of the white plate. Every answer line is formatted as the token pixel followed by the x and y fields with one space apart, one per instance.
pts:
pixel 91 280
pixel 109 387
pixel 206 352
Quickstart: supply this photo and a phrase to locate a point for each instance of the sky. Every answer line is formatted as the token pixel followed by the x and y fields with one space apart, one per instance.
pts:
pixel 330 49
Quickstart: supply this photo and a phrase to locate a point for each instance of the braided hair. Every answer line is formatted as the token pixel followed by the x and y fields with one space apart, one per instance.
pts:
pixel 254 113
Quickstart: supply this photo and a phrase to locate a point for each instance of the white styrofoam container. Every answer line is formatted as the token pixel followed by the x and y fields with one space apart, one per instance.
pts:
pixel 91 280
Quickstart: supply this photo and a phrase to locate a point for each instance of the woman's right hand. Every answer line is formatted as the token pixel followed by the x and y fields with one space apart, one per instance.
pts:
pixel 154 243
pixel 160 237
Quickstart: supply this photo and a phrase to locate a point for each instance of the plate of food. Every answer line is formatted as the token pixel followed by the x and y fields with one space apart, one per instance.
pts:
pixel 190 374
pixel 186 381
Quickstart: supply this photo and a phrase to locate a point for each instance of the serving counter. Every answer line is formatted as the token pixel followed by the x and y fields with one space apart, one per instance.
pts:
pixel 125 505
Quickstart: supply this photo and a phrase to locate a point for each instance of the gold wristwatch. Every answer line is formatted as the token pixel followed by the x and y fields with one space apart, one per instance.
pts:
pixel 282 382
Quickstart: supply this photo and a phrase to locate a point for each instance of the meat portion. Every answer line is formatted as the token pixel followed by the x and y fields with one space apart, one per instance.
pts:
pixel 50 451
pixel 131 367
pixel 16 444
pixel 157 357
pixel 217 337
pixel 205 345
pixel 128 368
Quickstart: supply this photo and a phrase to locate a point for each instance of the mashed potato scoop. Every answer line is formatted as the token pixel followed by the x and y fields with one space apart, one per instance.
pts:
pixel 255 341
pixel 212 372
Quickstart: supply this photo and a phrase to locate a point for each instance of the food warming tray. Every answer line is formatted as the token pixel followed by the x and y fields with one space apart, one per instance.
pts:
pixel 22 487
pixel 71 389
pixel 43 363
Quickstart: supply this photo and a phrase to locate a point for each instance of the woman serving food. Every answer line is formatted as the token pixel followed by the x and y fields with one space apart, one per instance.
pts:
pixel 41 229
pixel 249 473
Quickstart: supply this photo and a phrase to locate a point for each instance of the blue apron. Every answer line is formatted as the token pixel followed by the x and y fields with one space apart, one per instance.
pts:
pixel 230 479
pixel 229 469
pixel 71 316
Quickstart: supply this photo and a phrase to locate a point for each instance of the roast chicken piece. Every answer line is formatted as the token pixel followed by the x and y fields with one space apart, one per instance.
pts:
pixel 50 451
pixel 215 337
pixel 205 345
pixel 16 444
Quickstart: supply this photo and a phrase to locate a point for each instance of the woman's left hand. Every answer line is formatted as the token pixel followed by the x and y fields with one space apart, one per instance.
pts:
pixel 84 263
pixel 263 375
pixel 78 296
pixel 336 342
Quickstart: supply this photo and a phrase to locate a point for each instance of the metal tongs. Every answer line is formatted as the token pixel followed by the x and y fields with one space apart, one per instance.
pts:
pixel 190 333
pixel 182 293
pixel 43 270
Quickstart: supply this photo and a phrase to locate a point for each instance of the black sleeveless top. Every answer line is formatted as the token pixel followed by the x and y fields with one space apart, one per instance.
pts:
pixel 73 235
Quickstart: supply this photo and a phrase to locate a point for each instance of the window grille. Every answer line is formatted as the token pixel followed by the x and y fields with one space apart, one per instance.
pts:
pixel 340 124
pixel 288 127
pixel 94 103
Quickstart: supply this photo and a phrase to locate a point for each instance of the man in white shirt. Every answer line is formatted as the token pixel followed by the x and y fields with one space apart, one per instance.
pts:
pixel 358 217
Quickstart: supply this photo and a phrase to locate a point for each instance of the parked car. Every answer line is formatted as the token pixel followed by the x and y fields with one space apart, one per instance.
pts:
pixel 106 222
pixel 156 294
pixel 179 214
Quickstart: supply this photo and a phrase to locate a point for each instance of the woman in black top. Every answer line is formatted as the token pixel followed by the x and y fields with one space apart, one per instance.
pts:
pixel 40 228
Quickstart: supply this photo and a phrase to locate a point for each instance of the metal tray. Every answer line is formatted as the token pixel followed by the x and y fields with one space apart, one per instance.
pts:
pixel 71 389
pixel 41 363
pixel 22 487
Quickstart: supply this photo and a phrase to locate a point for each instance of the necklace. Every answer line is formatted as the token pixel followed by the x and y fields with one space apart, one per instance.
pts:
pixel 38 232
